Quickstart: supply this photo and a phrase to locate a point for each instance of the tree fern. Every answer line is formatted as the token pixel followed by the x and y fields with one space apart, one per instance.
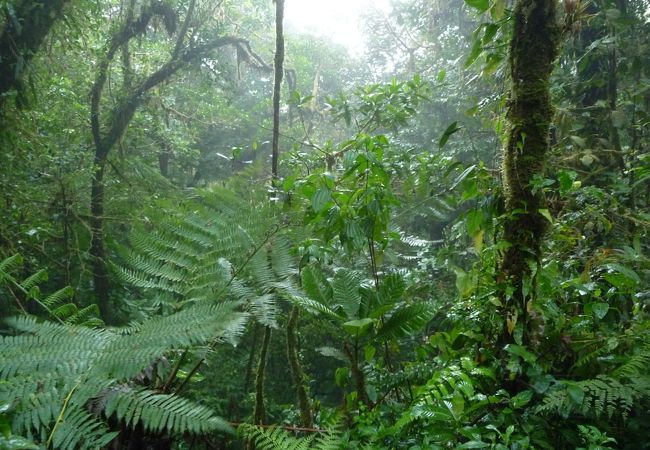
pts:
pixel 52 374
pixel 212 250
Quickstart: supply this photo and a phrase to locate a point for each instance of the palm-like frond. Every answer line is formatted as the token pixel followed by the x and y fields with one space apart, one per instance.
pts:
pixel 405 321
pixel 158 412
pixel 212 250
pixel 51 373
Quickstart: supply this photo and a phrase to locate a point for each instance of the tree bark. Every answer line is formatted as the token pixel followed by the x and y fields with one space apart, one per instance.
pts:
pixel 259 414
pixel 533 50
pixel 306 418
pixel 278 73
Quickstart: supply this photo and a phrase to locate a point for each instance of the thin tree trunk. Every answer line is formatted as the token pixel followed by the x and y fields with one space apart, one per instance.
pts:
pixel 278 72
pixel 259 414
pixel 533 49
pixel 357 373
pixel 251 359
pixel 306 418
pixel 97 247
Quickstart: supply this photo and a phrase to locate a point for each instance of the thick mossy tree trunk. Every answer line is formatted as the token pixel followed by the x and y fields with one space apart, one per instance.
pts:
pixel 533 50
pixel 21 37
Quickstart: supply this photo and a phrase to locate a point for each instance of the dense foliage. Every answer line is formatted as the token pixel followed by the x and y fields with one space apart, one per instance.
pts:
pixel 452 254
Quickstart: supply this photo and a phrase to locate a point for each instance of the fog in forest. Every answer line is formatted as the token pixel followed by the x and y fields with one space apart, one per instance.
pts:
pixel 301 224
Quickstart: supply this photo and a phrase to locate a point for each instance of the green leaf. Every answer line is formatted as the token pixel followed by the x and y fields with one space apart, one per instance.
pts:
pixel 566 179
pixel 369 352
pixel 481 5
pixel 599 310
pixel 576 393
pixel 546 214
pixel 451 129
pixel 522 352
pixel 457 405
pixel 465 282
pixel 341 376
pixel 474 222
pixel 626 278
pixel 521 399
pixel 320 199
pixel 358 327
pixel 17 443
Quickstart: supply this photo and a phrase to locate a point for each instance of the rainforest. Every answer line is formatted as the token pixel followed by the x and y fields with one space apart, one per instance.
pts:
pixel 327 225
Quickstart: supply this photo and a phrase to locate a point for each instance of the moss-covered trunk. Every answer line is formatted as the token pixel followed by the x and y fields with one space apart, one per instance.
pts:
pixel 533 49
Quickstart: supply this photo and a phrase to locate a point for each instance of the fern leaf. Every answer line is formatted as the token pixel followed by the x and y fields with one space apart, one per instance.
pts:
pixel 158 412
pixel 316 285
pixel 346 292
pixel 10 264
pixel 34 279
pixel 58 298
pixel 273 438
pixel 405 321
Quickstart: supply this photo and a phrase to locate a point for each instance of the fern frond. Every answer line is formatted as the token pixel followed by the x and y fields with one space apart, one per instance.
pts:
pixel 33 280
pixel 601 396
pixel 58 298
pixel 158 412
pixel 405 321
pixel 143 343
pixel 391 288
pixel 264 309
pixel 346 292
pixel 316 285
pixel 312 306
pixel 8 265
pixel 273 438
pixel 52 372
pixel 635 366
pixel 80 430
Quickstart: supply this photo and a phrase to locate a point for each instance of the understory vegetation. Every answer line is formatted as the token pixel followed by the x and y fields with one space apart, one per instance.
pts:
pixel 219 232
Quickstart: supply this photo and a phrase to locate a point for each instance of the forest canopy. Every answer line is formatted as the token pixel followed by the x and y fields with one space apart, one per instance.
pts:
pixel 221 231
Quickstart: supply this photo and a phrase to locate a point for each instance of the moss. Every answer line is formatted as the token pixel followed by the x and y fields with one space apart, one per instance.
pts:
pixel 533 49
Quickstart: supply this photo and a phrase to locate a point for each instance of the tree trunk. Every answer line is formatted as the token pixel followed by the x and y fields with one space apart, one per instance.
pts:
pixel 357 373
pixel 306 419
pixel 259 414
pixel 97 247
pixel 533 49
pixel 278 72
